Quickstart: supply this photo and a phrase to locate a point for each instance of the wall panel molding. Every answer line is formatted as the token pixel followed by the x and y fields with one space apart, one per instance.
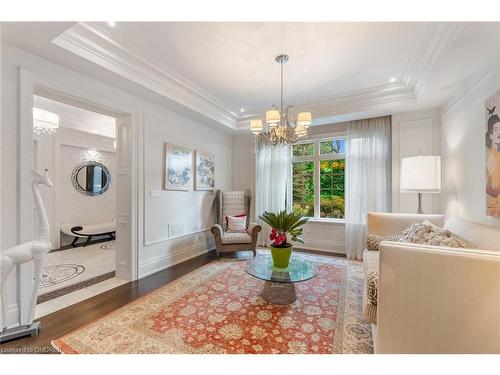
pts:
pixel 173 257
pixel 327 246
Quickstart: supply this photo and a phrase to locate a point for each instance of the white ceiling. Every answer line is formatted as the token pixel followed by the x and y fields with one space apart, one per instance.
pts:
pixel 235 61
pixel 337 70
pixel 77 118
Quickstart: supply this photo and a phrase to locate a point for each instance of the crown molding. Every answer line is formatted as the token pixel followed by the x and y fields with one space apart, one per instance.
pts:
pixel 433 42
pixel 453 102
pixel 435 39
pixel 357 101
pixel 96 46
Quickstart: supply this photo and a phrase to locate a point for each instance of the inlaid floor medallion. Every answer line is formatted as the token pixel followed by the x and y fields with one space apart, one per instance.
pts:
pixel 60 273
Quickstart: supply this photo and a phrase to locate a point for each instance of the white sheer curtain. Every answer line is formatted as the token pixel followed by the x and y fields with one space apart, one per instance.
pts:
pixel 272 178
pixel 368 178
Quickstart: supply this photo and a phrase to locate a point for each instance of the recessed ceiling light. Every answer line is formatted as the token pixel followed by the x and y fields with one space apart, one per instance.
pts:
pixel 242 110
pixel 392 80
pixel 112 23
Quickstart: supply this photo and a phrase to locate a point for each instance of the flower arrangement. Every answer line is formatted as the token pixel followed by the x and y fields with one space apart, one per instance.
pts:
pixel 284 223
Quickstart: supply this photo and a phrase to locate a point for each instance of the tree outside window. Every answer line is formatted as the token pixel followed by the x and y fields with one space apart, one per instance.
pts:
pixel 318 178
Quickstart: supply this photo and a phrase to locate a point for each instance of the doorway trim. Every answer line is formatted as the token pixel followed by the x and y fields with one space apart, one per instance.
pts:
pixel 34 84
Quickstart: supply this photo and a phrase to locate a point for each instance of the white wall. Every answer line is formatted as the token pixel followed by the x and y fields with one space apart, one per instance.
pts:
pixel 463 147
pixel 190 212
pixel 156 125
pixel 413 132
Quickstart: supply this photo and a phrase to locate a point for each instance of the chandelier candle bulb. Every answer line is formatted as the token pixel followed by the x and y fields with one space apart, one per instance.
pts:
pixel 304 118
pixel 256 126
pixel 273 117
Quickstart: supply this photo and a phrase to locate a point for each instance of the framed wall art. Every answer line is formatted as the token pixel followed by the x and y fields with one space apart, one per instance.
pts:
pixel 205 171
pixel 178 168
pixel 492 143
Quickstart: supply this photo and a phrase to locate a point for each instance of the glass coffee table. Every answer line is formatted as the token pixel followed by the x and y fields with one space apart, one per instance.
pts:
pixel 279 287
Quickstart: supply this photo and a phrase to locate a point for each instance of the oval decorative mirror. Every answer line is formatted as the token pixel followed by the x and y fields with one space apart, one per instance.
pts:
pixel 91 178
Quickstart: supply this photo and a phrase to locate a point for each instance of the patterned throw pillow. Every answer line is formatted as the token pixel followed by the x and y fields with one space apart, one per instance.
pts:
pixel 416 233
pixel 430 234
pixel 373 240
pixel 370 308
pixel 450 240
pixel 236 223
pixel 372 287
pixel 436 228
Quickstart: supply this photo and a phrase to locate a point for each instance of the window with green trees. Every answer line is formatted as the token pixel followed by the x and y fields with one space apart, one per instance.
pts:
pixel 318 178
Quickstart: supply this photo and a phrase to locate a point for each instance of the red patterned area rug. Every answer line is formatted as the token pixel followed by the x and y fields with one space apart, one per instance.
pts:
pixel 218 309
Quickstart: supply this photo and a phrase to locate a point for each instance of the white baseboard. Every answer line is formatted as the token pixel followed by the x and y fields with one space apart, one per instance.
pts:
pixel 174 257
pixel 335 247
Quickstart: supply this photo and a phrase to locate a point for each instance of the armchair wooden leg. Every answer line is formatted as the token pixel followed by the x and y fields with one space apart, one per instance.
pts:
pixel 254 253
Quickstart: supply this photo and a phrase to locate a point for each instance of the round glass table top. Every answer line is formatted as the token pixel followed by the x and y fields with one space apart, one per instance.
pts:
pixel 299 269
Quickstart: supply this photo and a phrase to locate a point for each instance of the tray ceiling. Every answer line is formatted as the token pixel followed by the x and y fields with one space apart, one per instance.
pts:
pixel 335 69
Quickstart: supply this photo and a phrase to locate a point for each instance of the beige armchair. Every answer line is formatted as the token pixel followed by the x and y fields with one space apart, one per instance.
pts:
pixel 232 203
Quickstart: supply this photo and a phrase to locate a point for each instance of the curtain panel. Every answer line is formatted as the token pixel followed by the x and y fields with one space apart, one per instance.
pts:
pixel 368 178
pixel 272 181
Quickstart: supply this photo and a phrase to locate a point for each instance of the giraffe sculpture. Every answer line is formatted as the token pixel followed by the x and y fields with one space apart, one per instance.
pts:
pixel 33 250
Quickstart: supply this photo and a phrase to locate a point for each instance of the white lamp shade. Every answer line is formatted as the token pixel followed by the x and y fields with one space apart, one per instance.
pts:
pixel 256 126
pixel 304 119
pixel 421 174
pixel 273 117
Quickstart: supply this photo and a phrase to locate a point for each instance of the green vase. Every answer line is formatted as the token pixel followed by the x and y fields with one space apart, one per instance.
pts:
pixel 281 256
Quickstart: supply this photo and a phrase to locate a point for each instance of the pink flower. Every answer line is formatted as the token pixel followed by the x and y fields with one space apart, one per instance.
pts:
pixel 273 235
pixel 280 239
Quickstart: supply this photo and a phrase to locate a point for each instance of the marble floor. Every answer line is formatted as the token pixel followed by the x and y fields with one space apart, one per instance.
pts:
pixel 65 270
pixel 72 266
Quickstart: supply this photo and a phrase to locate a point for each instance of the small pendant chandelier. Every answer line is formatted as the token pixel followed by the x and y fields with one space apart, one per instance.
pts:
pixel 281 126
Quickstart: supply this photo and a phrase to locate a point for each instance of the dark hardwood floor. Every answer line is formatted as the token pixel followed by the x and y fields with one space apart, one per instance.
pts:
pixel 73 317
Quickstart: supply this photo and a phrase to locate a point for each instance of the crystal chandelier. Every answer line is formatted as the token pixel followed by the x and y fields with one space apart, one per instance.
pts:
pixel 44 122
pixel 281 127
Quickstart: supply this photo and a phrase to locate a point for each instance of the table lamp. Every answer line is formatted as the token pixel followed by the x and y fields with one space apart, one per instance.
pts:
pixel 420 174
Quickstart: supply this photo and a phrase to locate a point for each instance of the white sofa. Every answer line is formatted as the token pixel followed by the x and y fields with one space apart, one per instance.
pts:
pixel 435 299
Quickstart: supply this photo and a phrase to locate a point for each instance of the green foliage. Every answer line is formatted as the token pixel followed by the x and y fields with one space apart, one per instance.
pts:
pixel 303 149
pixel 331 188
pixel 332 207
pixel 333 146
pixel 286 223
pixel 303 187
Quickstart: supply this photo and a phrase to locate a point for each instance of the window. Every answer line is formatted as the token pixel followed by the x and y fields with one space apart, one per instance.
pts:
pixel 318 178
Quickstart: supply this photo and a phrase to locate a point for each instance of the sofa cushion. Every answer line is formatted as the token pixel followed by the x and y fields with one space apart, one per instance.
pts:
pixel 373 240
pixel 235 238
